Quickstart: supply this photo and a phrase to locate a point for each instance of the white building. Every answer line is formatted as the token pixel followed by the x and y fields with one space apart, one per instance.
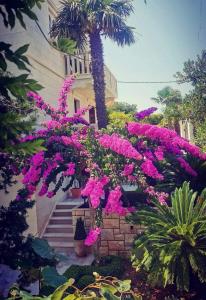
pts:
pixel 49 67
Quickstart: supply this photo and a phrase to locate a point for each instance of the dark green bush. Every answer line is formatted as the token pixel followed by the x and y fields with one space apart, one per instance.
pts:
pixel 85 281
pixel 108 266
pixel 73 272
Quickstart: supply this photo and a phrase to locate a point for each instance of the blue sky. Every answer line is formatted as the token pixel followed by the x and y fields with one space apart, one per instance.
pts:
pixel 168 32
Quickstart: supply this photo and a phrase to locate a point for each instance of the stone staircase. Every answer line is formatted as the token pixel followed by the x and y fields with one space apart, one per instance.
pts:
pixel 59 230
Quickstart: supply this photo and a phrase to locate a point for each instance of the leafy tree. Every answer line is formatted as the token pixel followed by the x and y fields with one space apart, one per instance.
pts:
pixel 194 72
pixel 154 119
pixel 17 114
pixel 80 20
pixel 118 119
pixel 172 248
pixel 123 107
pixel 171 100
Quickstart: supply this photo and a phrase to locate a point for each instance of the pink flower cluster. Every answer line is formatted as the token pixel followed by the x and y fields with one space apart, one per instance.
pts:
pixel 186 166
pixel 32 175
pixel 42 105
pixel 70 169
pixel 119 145
pixel 66 88
pixel 159 153
pixel 114 204
pixel 169 139
pixel 128 169
pixel 92 236
pixel 150 170
pixel 160 196
pixel 82 111
pixel 94 189
pixel 145 113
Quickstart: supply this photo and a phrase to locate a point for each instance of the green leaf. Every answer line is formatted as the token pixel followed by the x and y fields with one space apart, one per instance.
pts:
pixel 42 248
pixel 59 292
pixel 109 287
pixel 70 297
pixel 52 278
pixel 108 295
pixel 22 49
pixel 124 286
pixel 3 64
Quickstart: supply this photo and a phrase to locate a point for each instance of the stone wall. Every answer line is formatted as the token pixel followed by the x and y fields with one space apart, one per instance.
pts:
pixel 117 236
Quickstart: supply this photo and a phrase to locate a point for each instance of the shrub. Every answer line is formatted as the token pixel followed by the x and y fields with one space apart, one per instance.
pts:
pixel 84 281
pixel 80 233
pixel 173 245
pixel 108 266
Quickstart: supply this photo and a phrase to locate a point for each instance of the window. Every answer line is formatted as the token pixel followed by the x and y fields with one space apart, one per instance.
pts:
pixel 76 105
pixel 92 118
pixel 65 65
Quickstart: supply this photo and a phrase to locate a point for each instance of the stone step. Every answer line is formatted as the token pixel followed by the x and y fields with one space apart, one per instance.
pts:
pixel 59 237
pixel 60 220
pixel 62 247
pixel 62 212
pixel 59 228
pixel 64 205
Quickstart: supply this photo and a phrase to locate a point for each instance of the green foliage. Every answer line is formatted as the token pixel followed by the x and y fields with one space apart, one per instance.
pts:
pixel 154 119
pixel 103 288
pixel 12 226
pixel 200 136
pixel 171 100
pixel 84 281
pixel 10 10
pixel 117 120
pixel 52 278
pixel 173 245
pixel 108 266
pixel 65 45
pixel 123 107
pixel 17 113
pixel 194 72
pixel 80 233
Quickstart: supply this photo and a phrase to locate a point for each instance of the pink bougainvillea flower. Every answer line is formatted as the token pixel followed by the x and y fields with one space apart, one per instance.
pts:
pixel 114 204
pixel 145 113
pixel 186 166
pixel 128 169
pixel 92 236
pixel 160 196
pixel 150 170
pixel 50 194
pixel 119 145
pixel 94 189
pixel 43 190
pixel 159 153
pixel 70 169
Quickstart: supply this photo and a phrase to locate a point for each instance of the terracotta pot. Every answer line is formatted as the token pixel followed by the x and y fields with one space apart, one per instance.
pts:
pixel 76 192
pixel 80 248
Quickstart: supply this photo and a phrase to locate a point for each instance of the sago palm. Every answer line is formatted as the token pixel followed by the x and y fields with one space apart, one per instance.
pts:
pixel 173 247
pixel 91 19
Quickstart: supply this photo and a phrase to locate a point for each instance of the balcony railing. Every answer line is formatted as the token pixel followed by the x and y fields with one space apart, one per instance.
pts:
pixel 81 65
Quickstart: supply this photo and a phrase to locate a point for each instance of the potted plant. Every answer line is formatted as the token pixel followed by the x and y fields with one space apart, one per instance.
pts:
pixel 76 189
pixel 79 238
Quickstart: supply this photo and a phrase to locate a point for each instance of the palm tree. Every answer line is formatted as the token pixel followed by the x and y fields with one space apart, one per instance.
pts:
pixel 81 20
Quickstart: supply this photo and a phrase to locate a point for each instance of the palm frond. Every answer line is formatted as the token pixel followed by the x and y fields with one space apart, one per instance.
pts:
pixel 122 35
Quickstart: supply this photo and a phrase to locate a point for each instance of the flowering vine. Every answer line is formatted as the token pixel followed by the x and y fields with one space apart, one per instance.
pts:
pixel 141 155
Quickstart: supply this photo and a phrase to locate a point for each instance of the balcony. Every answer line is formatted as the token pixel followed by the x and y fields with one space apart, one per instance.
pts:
pixel 81 65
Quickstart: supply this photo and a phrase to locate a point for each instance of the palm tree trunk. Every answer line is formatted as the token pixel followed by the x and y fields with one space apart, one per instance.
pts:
pixel 97 63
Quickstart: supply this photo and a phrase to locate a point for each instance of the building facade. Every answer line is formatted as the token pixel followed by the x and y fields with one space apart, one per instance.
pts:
pixel 50 67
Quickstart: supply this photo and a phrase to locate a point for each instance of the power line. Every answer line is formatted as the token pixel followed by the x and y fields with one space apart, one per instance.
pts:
pixel 86 60
pixel 147 82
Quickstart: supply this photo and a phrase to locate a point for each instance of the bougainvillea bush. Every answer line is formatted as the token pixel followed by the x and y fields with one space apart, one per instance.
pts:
pixel 145 155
